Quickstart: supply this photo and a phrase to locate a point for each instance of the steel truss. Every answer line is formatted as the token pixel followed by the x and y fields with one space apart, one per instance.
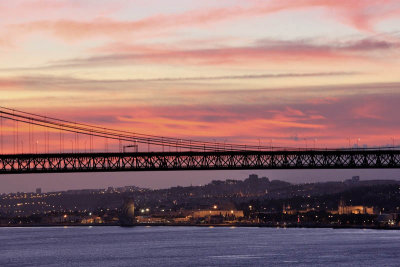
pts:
pixel 218 160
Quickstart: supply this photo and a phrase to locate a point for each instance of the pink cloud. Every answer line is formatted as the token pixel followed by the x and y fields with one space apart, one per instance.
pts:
pixel 48 4
pixel 34 9
pixel 360 14
pixel 369 110
pixel 347 116
pixel 7 83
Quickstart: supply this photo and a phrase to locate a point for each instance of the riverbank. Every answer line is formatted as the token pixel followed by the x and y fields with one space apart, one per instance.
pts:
pixel 259 225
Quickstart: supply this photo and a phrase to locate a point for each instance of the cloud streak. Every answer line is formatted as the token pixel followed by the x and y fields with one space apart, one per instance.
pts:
pixel 356 13
pixel 28 81
pixel 261 52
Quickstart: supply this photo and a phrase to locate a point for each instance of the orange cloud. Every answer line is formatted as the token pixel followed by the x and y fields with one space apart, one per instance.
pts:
pixel 372 118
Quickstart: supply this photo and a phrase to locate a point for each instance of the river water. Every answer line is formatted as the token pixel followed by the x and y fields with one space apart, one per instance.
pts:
pixel 197 246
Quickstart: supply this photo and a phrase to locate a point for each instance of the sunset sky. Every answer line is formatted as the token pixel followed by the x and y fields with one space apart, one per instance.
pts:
pixel 291 72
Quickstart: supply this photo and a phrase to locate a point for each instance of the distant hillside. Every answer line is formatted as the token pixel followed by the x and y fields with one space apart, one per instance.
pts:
pixel 224 194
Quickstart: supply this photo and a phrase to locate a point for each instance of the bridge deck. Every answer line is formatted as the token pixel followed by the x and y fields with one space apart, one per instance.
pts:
pixel 218 160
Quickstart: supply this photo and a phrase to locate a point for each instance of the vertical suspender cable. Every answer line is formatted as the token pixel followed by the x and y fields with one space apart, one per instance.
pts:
pixel 77 141
pixel 33 139
pixel 60 140
pixel 76 138
pixel 45 140
pixel 17 139
pixel 45 136
pixel 29 136
pixel 48 139
pixel 106 143
pixel 91 141
pixel 1 134
pixel 13 134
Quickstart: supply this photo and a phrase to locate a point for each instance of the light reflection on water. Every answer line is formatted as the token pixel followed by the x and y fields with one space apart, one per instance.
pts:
pixel 197 246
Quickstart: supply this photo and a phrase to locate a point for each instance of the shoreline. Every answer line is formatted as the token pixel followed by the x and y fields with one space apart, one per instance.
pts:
pixel 372 227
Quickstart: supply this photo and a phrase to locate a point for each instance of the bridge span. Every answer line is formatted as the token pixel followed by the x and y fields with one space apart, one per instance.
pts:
pixel 195 160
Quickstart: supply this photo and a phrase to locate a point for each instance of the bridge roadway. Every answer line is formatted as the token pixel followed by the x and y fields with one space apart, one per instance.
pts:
pixel 217 160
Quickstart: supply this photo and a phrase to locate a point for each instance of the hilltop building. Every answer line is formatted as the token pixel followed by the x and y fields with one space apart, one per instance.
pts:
pixel 343 209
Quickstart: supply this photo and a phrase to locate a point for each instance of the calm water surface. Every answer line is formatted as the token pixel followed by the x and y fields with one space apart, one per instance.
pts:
pixel 197 246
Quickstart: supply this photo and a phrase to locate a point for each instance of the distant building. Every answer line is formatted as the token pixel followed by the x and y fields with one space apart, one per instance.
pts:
pixel 181 219
pixel 38 190
pixel 343 209
pixel 148 219
pixel 288 210
pixel 354 179
pixel 92 219
pixel 387 219
pixel 110 189
pixel 224 213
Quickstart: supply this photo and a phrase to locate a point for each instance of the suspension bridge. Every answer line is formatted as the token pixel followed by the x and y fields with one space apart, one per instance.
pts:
pixel 33 143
